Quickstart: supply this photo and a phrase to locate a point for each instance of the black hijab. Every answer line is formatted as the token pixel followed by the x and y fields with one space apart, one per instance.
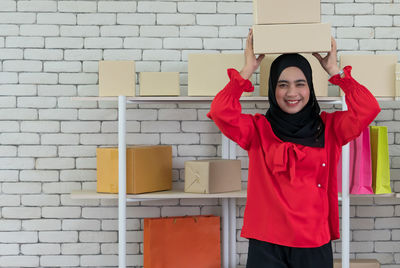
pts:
pixel 304 127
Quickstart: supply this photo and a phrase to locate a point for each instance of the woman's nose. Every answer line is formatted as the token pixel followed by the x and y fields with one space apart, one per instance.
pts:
pixel 291 90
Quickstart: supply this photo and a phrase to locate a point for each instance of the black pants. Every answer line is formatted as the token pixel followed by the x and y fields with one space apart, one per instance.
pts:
pixel 266 255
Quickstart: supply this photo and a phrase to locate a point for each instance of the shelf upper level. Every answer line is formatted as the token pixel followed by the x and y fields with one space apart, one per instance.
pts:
pixel 333 100
pixel 329 100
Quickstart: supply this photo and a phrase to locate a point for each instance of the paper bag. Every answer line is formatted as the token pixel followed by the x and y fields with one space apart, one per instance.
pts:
pixel 380 160
pixel 360 175
pixel 182 242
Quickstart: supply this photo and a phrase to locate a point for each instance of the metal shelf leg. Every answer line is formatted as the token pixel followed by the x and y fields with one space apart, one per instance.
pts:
pixel 345 201
pixel 121 182
pixel 232 232
pixel 225 233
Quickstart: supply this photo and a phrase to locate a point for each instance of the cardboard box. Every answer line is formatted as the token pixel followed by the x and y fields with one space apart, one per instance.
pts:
pixel 148 169
pixel 398 80
pixel 320 76
pixel 159 84
pixel 207 73
pixel 117 78
pixel 213 176
pixel 291 38
pixel 376 72
pixel 361 263
pixel 286 11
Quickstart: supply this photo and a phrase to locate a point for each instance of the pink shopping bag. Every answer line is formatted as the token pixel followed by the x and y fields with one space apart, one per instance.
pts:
pixel 360 177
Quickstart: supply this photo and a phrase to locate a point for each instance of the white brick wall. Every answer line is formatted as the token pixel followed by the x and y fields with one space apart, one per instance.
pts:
pixel 49 52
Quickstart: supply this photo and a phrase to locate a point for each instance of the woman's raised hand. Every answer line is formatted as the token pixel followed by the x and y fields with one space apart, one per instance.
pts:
pixel 329 62
pixel 251 61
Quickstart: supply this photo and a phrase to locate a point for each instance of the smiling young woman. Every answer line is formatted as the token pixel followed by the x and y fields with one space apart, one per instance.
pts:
pixel 291 213
pixel 292 92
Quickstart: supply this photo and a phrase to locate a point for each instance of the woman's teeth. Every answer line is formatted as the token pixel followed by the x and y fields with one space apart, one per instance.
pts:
pixel 292 102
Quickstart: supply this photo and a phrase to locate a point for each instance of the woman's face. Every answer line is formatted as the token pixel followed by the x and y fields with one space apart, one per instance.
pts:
pixel 292 92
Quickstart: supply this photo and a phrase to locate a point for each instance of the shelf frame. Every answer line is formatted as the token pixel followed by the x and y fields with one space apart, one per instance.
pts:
pixel 228 199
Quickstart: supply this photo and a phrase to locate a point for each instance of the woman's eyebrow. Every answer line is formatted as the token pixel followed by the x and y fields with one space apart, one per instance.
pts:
pixel 296 81
pixel 283 81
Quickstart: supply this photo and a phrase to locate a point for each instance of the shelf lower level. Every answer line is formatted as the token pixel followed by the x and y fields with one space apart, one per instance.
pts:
pixel 174 194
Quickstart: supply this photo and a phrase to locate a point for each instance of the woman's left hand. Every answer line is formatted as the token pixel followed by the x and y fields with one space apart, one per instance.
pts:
pixel 329 62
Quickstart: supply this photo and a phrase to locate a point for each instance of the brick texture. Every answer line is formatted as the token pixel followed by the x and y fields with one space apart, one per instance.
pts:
pixel 49 52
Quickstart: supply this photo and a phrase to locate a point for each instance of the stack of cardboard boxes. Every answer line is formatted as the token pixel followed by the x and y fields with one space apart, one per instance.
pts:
pixel 290 26
pixel 287 26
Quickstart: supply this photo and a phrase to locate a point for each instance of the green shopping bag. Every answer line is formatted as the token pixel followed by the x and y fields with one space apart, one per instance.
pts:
pixel 380 160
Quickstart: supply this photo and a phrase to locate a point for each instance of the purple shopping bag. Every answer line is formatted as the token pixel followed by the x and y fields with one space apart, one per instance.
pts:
pixel 360 179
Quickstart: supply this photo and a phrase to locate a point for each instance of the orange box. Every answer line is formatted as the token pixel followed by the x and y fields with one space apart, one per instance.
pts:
pixel 361 263
pixel 148 169
pixel 292 38
pixel 320 76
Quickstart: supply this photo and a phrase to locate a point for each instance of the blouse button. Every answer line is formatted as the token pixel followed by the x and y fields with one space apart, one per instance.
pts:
pixel 323 164
pixel 319 185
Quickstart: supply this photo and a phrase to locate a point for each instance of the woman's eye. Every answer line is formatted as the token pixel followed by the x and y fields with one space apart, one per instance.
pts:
pixel 282 85
pixel 301 85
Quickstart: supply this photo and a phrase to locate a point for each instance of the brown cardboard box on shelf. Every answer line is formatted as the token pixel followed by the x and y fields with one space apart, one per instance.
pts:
pixel 361 263
pixel 159 84
pixel 292 38
pixel 212 176
pixel 398 80
pixel 286 11
pixel 207 73
pixel 375 72
pixel 117 78
pixel 320 76
pixel 148 169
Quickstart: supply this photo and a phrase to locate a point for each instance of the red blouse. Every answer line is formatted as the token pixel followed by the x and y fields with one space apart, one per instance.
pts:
pixel 292 196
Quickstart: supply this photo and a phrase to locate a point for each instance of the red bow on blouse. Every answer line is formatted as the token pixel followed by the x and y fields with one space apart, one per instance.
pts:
pixel 284 159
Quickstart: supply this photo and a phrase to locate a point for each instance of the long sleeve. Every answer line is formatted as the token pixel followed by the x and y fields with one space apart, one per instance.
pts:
pixel 226 110
pixel 362 108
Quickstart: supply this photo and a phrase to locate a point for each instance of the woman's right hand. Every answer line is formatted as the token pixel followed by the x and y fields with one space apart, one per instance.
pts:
pixel 251 61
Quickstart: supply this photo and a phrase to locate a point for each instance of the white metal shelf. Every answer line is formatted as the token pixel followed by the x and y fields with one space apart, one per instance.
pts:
pixel 228 199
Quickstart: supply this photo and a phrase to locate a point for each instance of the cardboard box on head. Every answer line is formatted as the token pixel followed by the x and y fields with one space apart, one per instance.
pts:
pixel 207 73
pixel 320 76
pixel 117 78
pixel 286 11
pixel 159 84
pixel 375 72
pixel 291 38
